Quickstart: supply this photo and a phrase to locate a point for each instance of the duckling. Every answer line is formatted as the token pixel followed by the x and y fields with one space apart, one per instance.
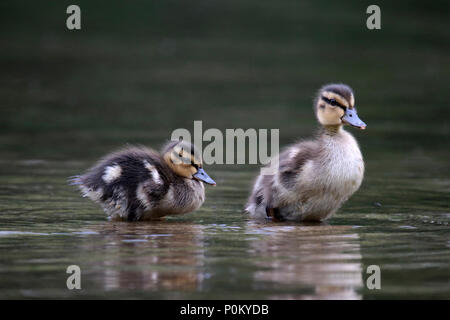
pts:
pixel 138 183
pixel 315 177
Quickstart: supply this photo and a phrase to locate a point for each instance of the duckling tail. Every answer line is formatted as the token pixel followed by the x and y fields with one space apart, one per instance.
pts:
pixel 74 180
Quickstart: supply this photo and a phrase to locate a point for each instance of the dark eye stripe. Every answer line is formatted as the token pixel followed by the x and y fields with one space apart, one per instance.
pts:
pixel 333 102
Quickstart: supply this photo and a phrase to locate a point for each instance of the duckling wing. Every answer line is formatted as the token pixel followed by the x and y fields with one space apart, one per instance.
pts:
pixel 270 192
pixel 293 160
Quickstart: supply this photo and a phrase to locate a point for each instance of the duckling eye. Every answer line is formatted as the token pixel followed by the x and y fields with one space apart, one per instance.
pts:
pixel 331 102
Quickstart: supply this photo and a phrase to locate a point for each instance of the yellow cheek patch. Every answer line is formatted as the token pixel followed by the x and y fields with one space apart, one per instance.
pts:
pixel 331 95
pixel 330 116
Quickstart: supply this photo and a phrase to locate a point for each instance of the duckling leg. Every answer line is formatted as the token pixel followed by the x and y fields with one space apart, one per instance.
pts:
pixel 274 213
pixel 133 212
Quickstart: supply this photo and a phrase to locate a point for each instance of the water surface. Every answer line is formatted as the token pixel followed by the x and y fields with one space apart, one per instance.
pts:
pixel 217 252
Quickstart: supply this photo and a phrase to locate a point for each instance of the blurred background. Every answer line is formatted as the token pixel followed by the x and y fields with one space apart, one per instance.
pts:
pixel 138 70
pixel 135 72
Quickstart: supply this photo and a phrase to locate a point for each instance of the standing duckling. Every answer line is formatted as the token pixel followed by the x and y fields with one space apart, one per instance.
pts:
pixel 315 177
pixel 140 184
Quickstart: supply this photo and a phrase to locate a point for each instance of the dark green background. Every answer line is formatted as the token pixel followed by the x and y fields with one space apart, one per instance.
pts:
pixel 137 70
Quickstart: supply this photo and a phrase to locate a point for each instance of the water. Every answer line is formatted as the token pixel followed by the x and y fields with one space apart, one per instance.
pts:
pixel 217 252
pixel 69 98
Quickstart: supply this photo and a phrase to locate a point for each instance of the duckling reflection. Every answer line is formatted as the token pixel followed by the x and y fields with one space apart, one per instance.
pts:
pixel 322 261
pixel 160 255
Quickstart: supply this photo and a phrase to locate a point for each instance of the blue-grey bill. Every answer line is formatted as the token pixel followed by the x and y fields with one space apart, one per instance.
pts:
pixel 351 117
pixel 203 176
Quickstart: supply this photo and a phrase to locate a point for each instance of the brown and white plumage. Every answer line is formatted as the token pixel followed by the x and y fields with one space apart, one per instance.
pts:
pixel 314 177
pixel 138 183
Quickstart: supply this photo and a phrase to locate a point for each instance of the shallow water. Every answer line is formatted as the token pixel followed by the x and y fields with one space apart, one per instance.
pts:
pixel 217 252
pixel 134 75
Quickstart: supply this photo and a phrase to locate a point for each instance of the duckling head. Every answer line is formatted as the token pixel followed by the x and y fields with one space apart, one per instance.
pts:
pixel 185 160
pixel 335 106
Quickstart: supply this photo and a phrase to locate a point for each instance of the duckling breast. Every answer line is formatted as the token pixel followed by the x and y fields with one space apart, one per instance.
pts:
pixel 343 165
pixel 331 179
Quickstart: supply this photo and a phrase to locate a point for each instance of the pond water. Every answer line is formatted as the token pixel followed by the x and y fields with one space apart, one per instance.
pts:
pixel 69 98
pixel 399 223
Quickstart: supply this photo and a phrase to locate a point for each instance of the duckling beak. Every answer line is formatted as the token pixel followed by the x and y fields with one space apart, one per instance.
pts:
pixel 203 176
pixel 351 117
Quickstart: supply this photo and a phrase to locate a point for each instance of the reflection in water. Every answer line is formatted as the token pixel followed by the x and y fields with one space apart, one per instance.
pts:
pixel 153 256
pixel 325 259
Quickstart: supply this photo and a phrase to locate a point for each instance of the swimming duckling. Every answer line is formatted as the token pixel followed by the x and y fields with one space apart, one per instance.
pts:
pixel 139 184
pixel 315 177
